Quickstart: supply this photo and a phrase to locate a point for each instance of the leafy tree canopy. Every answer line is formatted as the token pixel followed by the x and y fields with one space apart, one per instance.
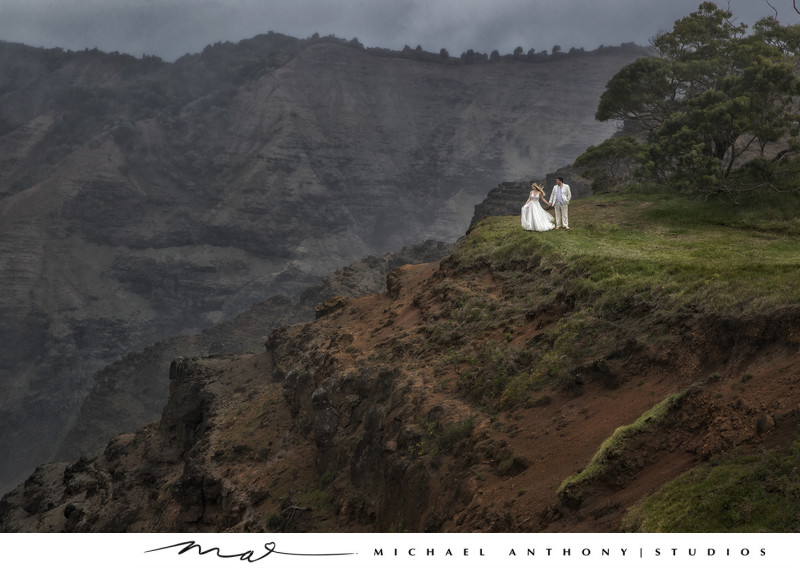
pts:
pixel 609 163
pixel 711 99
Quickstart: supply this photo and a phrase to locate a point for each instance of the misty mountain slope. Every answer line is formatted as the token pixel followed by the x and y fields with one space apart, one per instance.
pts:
pixel 327 114
pixel 141 200
pixel 133 391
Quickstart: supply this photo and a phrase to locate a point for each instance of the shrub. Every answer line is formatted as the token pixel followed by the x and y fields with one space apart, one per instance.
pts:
pixel 454 434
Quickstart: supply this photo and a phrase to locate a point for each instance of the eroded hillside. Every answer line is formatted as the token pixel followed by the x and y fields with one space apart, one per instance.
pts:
pixel 141 199
pixel 527 382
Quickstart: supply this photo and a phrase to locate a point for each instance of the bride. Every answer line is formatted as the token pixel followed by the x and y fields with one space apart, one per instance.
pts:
pixel 534 217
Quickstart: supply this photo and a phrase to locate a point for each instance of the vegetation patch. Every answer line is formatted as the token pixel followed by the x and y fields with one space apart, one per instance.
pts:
pixel 573 489
pixel 511 464
pixel 749 494
pixel 655 253
pixel 453 434
pixel 438 441
pixel 734 125
pixel 639 262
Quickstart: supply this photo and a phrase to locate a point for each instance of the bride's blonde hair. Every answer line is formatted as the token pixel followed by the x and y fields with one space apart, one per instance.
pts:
pixel 537 187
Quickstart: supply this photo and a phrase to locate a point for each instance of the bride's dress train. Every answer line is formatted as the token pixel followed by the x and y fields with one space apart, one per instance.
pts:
pixel 534 217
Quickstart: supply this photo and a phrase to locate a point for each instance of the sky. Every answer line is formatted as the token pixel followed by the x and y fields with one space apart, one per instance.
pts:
pixel 172 28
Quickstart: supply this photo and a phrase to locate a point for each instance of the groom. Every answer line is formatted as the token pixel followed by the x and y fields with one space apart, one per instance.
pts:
pixel 560 198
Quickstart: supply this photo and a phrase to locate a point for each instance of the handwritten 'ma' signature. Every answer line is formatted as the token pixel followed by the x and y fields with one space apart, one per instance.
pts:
pixel 248 556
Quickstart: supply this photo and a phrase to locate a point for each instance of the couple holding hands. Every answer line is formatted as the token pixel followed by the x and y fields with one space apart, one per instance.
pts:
pixel 534 217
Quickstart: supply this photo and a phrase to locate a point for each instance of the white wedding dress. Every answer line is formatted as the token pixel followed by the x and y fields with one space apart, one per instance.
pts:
pixel 534 217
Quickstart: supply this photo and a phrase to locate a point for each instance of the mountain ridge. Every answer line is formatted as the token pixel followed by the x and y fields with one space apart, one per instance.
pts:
pixel 140 199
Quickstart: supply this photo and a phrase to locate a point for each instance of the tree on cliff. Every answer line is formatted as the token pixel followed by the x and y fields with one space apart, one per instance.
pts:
pixel 709 100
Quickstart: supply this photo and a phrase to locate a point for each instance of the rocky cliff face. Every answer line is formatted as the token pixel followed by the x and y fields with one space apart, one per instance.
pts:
pixel 133 391
pixel 408 410
pixel 141 200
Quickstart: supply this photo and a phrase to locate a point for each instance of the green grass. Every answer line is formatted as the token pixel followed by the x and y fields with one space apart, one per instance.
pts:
pixel 573 488
pixel 756 493
pixel 663 251
pixel 632 266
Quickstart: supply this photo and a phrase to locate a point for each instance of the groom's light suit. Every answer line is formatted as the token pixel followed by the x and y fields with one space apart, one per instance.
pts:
pixel 559 198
